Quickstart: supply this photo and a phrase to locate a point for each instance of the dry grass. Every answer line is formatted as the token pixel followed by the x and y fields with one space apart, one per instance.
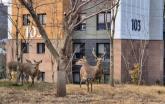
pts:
pixel 44 93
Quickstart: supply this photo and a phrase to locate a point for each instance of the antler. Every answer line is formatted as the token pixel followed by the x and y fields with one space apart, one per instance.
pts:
pixel 28 61
pixel 94 53
pixel 38 61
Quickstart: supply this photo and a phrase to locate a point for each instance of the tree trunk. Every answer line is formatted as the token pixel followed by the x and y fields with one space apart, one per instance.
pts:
pixel 61 76
pixel 111 63
pixel 61 82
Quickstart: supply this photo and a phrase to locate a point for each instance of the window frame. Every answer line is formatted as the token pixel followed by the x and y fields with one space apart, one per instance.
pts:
pixel 26 19
pixel 81 26
pixel 82 50
pixel 41 76
pixel 25 47
pixel 42 50
pixel 102 26
pixel 107 54
pixel 43 18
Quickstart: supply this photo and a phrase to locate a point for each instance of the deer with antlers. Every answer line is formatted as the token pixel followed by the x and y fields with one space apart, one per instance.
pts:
pixel 99 63
pixel 89 73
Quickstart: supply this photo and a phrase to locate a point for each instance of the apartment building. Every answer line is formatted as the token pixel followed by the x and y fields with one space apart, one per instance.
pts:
pixel 137 21
pixel 31 44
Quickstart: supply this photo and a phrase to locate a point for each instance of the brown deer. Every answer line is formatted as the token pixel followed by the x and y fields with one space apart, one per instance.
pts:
pixel 86 74
pixel 31 69
pixel 13 66
pixel 89 73
pixel 99 65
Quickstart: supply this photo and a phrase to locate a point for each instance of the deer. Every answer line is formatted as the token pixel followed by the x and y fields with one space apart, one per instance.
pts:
pixel 28 68
pixel 12 67
pixel 89 73
pixel 99 65
pixel 31 69
pixel 85 72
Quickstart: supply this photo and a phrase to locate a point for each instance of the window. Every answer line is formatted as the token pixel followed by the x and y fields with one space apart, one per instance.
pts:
pixel 42 18
pixel 103 48
pixel 81 26
pixel 41 76
pixel 40 48
pixel 102 19
pixel 106 78
pixel 76 77
pixel 25 47
pixel 26 19
pixel 79 50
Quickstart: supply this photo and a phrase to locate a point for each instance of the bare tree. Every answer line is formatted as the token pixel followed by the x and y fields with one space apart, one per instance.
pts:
pixel 137 57
pixel 70 22
pixel 135 64
pixel 110 29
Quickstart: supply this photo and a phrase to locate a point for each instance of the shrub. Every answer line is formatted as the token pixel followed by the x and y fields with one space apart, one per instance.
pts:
pixel 134 73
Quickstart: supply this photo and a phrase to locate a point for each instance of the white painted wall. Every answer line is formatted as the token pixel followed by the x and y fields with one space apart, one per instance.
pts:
pixel 149 12
pixel 134 9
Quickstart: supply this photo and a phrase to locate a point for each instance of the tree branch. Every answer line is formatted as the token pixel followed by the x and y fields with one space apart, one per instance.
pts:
pixel 102 10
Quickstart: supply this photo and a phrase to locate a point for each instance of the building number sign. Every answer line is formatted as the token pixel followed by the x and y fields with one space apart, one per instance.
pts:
pixel 136 25
pixel 31 32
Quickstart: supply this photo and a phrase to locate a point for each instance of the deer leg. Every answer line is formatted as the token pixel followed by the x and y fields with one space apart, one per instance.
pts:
pixel 99 80
pixel 18 77
pixel 27 78
pixel 80 83
pixel 32 81
pixel 9 75
pixel 91 86
pixel 87 85
pixel 22 77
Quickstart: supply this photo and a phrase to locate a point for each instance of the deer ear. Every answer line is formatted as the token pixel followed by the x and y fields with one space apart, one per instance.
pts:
pixel 35 61
pixel 40 61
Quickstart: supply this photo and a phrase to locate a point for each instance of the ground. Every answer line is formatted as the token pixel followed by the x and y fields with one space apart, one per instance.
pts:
pixel 44 93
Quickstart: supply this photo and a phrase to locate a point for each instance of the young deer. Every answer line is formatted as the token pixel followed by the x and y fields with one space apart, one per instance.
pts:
pixel 12 67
